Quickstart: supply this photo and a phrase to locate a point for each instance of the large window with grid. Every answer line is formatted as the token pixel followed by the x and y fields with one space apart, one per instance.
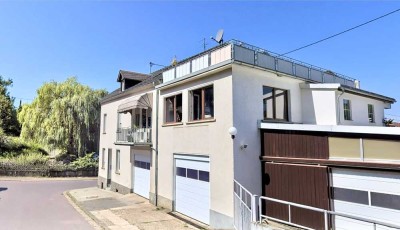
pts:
pixel 347 109
pixel 202 103
pixel 371 113
pixel 173 109
pixel 275 104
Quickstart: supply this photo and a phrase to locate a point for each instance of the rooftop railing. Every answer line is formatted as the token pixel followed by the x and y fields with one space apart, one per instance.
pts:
pixel 244 53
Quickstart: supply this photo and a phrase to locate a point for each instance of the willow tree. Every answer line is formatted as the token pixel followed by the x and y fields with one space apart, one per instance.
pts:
pixel 63 116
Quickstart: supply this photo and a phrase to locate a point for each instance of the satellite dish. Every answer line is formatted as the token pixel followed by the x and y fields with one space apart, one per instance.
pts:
pixel 219 38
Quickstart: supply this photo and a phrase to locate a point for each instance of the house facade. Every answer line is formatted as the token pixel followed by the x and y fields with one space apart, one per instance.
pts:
pixel 189 161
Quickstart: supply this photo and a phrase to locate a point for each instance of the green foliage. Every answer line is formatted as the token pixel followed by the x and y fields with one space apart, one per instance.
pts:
pixel 86 162
pixel 8 113
pixel 64 116
pixel 387 121
pixel 14 146
pixel 25 159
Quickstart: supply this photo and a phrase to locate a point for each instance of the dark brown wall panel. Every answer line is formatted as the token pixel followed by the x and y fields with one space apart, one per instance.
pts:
pixel 295 144
pixel 302 184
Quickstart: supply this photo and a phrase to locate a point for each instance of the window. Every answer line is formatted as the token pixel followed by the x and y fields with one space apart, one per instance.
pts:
pixel 371 114
pixel 385 200
pixel 350 195
pixel 118 121
pixel 202 103
pixel 173 109
pixel 275 104
pixel 347 109
pixel 144 118
pixel 117 161
pixel 103 158
pixel 104 122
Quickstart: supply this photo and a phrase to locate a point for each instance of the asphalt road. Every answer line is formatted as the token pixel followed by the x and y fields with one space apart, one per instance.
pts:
pixel 40 205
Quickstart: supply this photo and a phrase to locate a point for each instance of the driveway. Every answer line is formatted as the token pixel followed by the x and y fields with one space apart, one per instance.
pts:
pixel 40 204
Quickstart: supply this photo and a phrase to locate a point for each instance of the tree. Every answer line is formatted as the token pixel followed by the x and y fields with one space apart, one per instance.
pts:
pixel 8 113
pixel 64 116
pixel 387 121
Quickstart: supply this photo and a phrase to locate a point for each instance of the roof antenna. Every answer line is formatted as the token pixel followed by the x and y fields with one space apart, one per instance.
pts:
pixel 219 38
pixel 154 64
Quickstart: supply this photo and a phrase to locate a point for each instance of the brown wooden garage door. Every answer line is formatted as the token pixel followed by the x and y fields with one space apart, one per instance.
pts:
pixel 303 184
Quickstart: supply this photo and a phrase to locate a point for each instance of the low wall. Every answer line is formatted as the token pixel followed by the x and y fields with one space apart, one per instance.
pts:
pixel 48 173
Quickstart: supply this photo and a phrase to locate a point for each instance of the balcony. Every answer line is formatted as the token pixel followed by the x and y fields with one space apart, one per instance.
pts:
pixel 133 136
pixel 240 52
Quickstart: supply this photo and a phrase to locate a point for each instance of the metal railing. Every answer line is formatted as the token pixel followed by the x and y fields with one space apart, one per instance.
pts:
pixel 245 211
pixel 327 215
pixel 252 55
pixel 134 135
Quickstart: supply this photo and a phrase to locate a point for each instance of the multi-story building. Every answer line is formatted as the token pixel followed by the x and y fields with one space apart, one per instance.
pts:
pixel 182 135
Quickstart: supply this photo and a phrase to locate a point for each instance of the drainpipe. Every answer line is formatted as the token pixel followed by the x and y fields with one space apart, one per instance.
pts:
pixel 156 150
pixel 338 103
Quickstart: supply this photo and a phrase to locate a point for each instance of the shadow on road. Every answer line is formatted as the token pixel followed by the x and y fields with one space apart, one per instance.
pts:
pixel 3 189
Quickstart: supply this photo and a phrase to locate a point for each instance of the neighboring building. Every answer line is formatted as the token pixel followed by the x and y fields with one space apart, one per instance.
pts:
pixel 194 160
pixel 126 135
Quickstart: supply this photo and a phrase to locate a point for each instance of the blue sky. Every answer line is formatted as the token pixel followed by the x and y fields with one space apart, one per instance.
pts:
pixel 52 40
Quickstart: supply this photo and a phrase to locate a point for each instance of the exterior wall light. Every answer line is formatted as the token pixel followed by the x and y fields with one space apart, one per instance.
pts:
pixel 232 131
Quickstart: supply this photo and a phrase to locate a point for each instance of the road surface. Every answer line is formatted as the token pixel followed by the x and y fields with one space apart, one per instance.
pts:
pixel 40 205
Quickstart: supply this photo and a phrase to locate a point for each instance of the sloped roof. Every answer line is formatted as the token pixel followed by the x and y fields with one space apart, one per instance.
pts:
pixel 123 74
pixel 116 93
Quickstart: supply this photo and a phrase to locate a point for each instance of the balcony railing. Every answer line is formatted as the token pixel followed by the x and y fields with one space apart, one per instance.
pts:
pixel 134 135
pixel 241 52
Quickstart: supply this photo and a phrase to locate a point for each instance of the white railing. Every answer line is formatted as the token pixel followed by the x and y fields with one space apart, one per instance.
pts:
pixel 244 202
pixel 327 215
pixel 248 213
pixel 134 135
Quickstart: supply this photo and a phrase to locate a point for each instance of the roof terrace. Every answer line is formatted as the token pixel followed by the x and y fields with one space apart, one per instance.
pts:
pixel 240 52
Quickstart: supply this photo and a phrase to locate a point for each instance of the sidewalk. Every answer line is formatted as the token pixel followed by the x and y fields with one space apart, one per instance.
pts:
pixel 111 210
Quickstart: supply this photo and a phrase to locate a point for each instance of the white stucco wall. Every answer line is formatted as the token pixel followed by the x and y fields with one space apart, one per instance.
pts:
pixel 319 106
pixel 209 139
pixel 359 110
pixel 247 110
pixel 107 141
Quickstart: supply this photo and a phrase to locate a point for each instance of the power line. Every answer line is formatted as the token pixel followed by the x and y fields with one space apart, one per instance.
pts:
pixel 332 36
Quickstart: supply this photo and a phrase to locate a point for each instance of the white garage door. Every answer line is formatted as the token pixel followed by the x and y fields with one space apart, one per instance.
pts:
pixel 192 187
pixel 370 194
pixel 141 178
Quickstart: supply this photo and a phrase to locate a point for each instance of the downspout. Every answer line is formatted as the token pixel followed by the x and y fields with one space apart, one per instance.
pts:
pixel 156 150
pixel 338 104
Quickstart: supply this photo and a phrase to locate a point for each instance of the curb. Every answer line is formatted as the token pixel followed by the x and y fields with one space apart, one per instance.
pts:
pixel 6 178
pixel 89 217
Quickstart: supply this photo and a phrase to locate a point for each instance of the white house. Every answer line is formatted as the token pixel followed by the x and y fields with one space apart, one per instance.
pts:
pixel 165 135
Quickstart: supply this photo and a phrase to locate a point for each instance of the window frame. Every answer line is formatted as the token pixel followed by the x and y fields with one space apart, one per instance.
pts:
pixel 202 104
pixel 174 108
pixel 274 96
pixel 350 118
pixel 371 113
pixel 117 161
pixel 104 123
pixel 103 158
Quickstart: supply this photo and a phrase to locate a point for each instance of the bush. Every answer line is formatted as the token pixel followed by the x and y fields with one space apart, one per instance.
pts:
pixel 85 162
pixel 14 146
pixel 30 160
